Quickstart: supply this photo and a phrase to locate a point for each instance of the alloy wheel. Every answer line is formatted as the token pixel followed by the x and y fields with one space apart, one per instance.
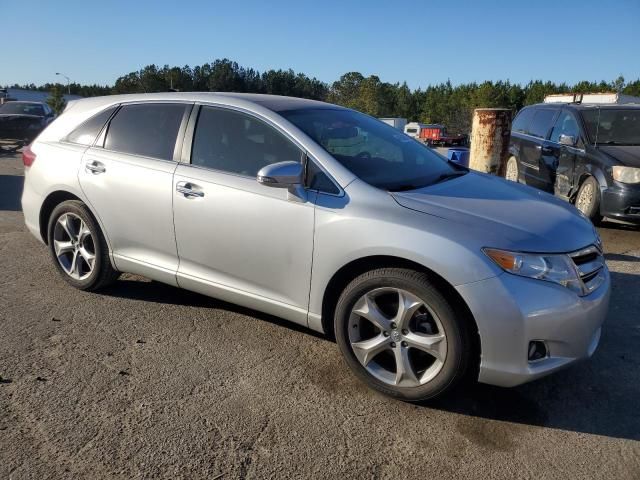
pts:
pixel 397 337
pixel 585 197
pixel 74 246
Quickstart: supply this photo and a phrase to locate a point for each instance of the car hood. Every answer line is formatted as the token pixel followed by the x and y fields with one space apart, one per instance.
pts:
pixel 629 155
pixel 511 215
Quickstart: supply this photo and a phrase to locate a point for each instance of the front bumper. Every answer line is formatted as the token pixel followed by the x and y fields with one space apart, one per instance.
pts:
pixel 512 311
pixel 622 202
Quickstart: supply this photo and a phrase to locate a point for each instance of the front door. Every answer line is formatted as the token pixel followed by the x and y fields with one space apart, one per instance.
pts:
pixel 127 180
pixel 567 126
pixel 238 240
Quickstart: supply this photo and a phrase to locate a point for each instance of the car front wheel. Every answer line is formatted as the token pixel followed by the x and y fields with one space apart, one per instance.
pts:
pixel 400 335
pixel 588 199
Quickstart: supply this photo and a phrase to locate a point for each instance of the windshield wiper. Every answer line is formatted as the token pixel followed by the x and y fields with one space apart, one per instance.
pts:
pixel 620 144
pixel 405 188
pixel 448 176
pixel 441 178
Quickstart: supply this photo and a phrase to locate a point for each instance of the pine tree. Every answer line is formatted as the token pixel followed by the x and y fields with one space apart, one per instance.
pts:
pixel 56 101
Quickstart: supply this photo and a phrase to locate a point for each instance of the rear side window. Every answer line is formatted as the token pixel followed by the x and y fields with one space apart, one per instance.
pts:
pixel 542 122
pixel 87 132
pixel 237 143
pixel 522 120
pixel 148 129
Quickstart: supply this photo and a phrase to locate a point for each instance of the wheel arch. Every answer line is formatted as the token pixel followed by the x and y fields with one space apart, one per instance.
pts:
pixel 51 201
pixel 351 270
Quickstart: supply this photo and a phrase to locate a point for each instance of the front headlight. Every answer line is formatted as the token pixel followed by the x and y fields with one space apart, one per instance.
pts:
pixel 551 268
pixel 626 174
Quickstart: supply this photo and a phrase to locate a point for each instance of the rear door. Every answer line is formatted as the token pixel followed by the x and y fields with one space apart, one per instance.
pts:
pixel 534 155
pixel 127 179
pixel 239 240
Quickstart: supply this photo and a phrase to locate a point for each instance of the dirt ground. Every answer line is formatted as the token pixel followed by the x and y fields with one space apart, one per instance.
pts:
pixel 148 381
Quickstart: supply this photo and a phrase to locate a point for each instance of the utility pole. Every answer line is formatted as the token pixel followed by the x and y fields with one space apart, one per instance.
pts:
pixel 68 82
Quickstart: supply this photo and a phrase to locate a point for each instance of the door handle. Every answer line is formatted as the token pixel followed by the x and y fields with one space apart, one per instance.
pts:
pixel 95 167
pixel 547 150
pixel 189 189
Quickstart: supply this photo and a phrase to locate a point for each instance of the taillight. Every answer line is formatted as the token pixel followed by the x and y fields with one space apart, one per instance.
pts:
pixel 28 157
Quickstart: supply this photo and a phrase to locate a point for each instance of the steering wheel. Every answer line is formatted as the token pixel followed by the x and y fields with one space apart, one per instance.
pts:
pixel 363 154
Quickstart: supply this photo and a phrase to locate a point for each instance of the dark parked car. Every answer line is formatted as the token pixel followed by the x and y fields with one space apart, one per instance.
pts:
pixel 23 121
pixel 586 154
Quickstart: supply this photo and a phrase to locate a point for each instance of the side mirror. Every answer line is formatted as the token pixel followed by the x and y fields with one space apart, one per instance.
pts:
pixel 281 175
pixel 569 140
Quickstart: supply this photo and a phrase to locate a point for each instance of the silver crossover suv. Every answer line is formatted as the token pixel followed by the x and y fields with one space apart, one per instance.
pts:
pixel 423 270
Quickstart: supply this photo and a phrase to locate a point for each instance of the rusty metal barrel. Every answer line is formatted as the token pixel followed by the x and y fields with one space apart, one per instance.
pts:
pixel 490 133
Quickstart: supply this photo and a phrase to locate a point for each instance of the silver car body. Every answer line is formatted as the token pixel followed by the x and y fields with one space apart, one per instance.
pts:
pixel 268 250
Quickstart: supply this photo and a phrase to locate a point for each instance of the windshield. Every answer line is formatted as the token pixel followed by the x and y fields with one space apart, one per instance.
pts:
pixel 613 126
pixel 374 151
pixel 19 108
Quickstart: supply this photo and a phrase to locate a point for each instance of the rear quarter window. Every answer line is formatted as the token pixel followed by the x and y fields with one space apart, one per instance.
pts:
pixel 522 120
pixel 87 132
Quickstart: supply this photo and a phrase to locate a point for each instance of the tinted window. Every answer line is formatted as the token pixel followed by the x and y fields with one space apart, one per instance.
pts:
pixel 541 123
pixel 522 120
pixel 613 126
pixel 22 108
pixel 87 132
pixel 146 129
pixel 238 143
pixel 565 125
pixel 374 151
pixel 318 180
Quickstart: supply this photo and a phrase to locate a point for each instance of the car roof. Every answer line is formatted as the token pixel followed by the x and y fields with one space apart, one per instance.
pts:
pixel 276 103
pixel 587 106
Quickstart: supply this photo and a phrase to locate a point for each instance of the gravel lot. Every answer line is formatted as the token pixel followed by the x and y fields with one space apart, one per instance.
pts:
pixel 146 380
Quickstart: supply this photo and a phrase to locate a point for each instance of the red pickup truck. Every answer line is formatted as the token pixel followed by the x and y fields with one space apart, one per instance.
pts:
pixel 434 134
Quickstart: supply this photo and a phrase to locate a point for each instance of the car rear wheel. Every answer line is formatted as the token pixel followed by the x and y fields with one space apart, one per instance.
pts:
pixel 588 199
pixel 511 171
pixel 78 248
pixel 400 335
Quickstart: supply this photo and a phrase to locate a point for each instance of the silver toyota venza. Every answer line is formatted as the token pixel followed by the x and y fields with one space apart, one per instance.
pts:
pixel 425 272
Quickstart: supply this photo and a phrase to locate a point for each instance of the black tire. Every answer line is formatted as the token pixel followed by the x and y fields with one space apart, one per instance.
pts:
pixel 103 274
pixel 458 337
pixel 590 208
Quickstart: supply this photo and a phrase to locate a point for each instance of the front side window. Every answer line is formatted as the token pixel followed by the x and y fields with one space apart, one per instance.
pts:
pixel 613 126
pixel 565 125
pixel 541 123
pixel 374 151
pixel 87 132
pixel 234 142
pixel 149 130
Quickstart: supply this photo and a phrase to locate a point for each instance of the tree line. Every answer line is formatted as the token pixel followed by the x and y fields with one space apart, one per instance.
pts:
pixel 440 103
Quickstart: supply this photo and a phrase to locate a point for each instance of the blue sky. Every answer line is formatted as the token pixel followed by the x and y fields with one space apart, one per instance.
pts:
pixel 422 42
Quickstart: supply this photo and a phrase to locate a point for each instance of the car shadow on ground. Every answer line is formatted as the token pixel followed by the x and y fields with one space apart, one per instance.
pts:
pixel 595 396
pixel 135 287
pixel 11 188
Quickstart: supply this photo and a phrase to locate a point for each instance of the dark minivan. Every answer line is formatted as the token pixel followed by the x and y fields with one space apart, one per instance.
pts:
pixel 588 154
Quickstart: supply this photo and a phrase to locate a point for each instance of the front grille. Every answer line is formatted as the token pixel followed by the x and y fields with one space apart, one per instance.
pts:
pixel 589 263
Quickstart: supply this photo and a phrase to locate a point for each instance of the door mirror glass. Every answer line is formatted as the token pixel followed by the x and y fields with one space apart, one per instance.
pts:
pixel 569 140
pixel 281 175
